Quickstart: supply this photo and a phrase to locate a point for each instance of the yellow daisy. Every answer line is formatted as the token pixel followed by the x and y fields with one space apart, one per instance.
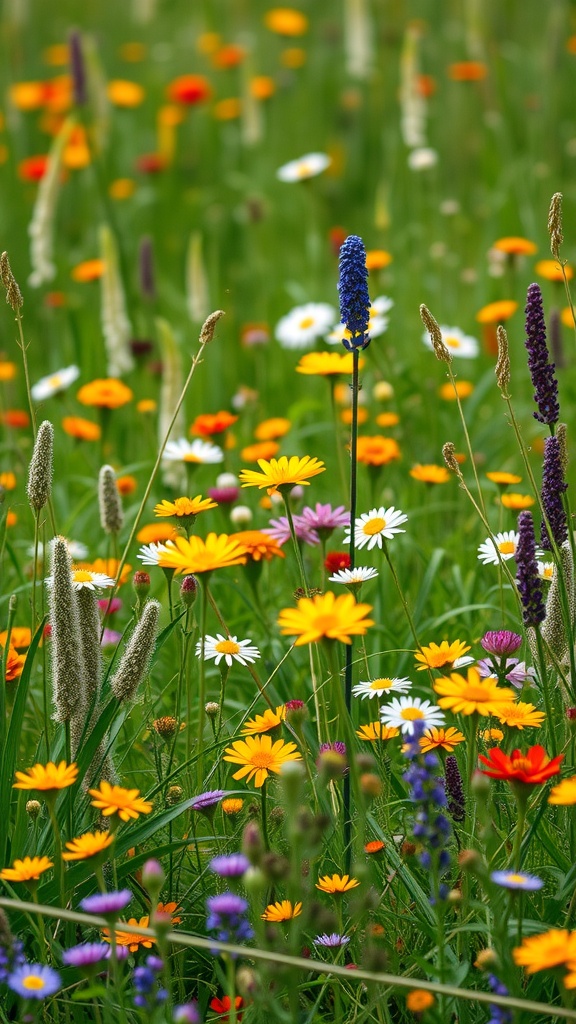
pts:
pixel 195 556
pixel 258 756
pixel 519 715
pixel 282 473
pixel 438 655
pixel 263 723
pixel 325 616
pixel 283 911
pixel 376 731
pixel 327 364
pixel 549 949
pixel 126 803
pixel 335 884
pixel 436 738
pixel 88 845
pixel 26 870
pixel 182 507
pixel 473 694
pixel 47 777
pixel 564 794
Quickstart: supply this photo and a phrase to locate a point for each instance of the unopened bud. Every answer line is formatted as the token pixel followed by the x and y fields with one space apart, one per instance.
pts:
pixel 174 795
pixel 252 843
pixel 247 981
pixel 212 709
pixel 141 583
pixel 153 877
pixel 486 960
pixel 33 808
pixel 296 713
pixel 189 590
pixel 480 785
pixel 371 785
pixel 165 727
pixel 470 860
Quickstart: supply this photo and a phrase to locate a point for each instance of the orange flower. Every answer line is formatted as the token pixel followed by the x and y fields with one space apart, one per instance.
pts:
pixel 16 418
pixel 228 109
pixel 502 478
pixel 346 415
pixel 14 664
pixel 126 803
pixel 259 546
pixel 513 245
pixel 495 312
pixel 262 87
pixel 430 474
pixel 146 405
pixel 121 188
pixel 286 21
pixel 517 502
pixel 88 270
pixel 109 393
pixel 567 317
pixel 229 56
pixel 377 259
pixel 27 95
pixel 155 533
pixel 271 429
pixel 532 768
pixel 551 270
pixel 377 451
pixel 376 846
pixel 418 1000
pixel 131 939
pixel 8 481
pixel 207 423
pixel 460 389
pixel 189 89
pixel 7 370
pixel 81 429
pixel 168 910
pixel 125 94
pixel 264 450
pixel 467 71
pixel 387 419
pixel 126 484
pixel 20 637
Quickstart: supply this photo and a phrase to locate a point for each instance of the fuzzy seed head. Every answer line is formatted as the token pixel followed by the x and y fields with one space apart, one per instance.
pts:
pixel 110 502
pixel 432 326
pixel 449 456
pixel 135 661
pixel 555 224
pixel 66 645
pixel 41 467
pixel 209 326
pixel 503 362
pixel 13 293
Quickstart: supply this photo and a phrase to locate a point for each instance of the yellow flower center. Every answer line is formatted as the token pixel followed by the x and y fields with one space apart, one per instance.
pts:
pixel 33 982
pixel 411 714
pixel 261 759
pixel 304 171
pixel 381 684
pixel 452 342
pixel 307 321
pixel 325 622
pixel 191 458
pixel 506 547
pixel 375 525
pixel 476 693
pixel 548 572
pixel 227 647
pixel 55 381
pixel 82 576
pixel 517 878
pixel 521 763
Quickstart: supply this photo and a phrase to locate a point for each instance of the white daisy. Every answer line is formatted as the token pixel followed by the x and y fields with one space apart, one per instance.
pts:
pixel 402 712
pixel 457 343
pixel 422 158
pixel 505 545
pixel 307 166
pixel 354 576
pixel 55 383
pixel 546 570
pixel 381 687
pixel 229 648
pixel 197 451
pixel 150 554
pixel 85 579
pixel 373 526
pixel 301 327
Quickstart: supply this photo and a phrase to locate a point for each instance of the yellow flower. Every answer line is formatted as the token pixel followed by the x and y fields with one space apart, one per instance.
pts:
pixel 282 472
pixel 492 735
pixel 283 911
pixel 519 715
pixel 436 656
pixel 88 845
pixel 336 883
pixel 286 21
pixel 564 794
pixel 232 806
pixel 182 507
pixel 440 739
pixel 258 546
pixel 503 479
pixel 131 939
pixel 197 556
pixel 449 392
pixel 263 723
pixel 325 616
pixel 419 1000
pixel 549 949
pixel 27 869
pixel 551 270
pixel 327 364
pixel 377 731
pixel 109 393
pixel 126 803
pixel 513 245
pixel 7 370
pixel 517 501
pixel 494 312
pixel 430 474
pixel 377 259
pixel 467 696
pixel 47 777
pixel 123 93
pixel 258 756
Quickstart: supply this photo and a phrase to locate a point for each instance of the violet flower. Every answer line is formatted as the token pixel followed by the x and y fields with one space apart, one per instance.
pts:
pixel 541 369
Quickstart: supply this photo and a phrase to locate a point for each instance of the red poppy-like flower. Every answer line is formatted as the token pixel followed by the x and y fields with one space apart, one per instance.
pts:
pixel 189 89
pixel 533 768
pixel 336 560
pixel 222 1006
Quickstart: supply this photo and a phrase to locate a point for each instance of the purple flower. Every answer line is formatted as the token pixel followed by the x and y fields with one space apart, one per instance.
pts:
pixel 333 941
pixel 501 641
pixel 233 866
pixel 324 519
pixel 11 957
pixel 541 370
pixel 224 496
pixel 500 1015
pixel 554 527
pixel 145 978
pixel 338 747
pixel 519 674
pixel 105 605
pixel 226 917
pixel 85 955
pixel 107 904
pixel 279 529
pixel 34 981
pixel 353 291
pixel 517 880
pixel 110 637
pixel 454 789
pixel 186 1014
pixel 207 800
pixel 527 578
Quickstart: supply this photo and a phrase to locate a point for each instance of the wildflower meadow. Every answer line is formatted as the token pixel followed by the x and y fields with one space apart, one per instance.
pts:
pixel 288 598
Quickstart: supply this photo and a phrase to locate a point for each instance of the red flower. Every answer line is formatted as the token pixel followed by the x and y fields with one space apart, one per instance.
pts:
pixel 189 89
pixel 223 1005
pixel 336 560
pixel 533 768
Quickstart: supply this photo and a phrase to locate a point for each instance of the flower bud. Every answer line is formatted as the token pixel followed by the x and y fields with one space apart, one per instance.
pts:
pixel 141 583
pixel 212 709
pixel 296 713
pixel 252 843
pixel 247 981
pixel 371 785
pixel 165 727
pixel 241 515
pixel 188 590
pixel 487 960
pixel 174 795
pixel 33 808
pixel 153 877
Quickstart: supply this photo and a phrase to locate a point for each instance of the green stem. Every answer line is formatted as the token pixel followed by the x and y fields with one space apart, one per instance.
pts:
pixel 202 678
pixel 521 803
pixel 264 794
pixel 295 543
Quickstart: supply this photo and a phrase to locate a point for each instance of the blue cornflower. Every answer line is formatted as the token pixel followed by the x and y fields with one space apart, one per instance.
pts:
pixel 86 955
pixel 499 1014
pixel 233 865
pixel 145 979
pixel 226 918
pixel 333 941
pixel 353 291
pixel 11 956
pixel 517 880
pixel 431 826
pixel 107 904
pixel 34 981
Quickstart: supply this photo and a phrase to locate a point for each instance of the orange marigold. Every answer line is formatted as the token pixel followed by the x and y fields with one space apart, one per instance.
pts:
pixel 81 429
pixel 377 451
